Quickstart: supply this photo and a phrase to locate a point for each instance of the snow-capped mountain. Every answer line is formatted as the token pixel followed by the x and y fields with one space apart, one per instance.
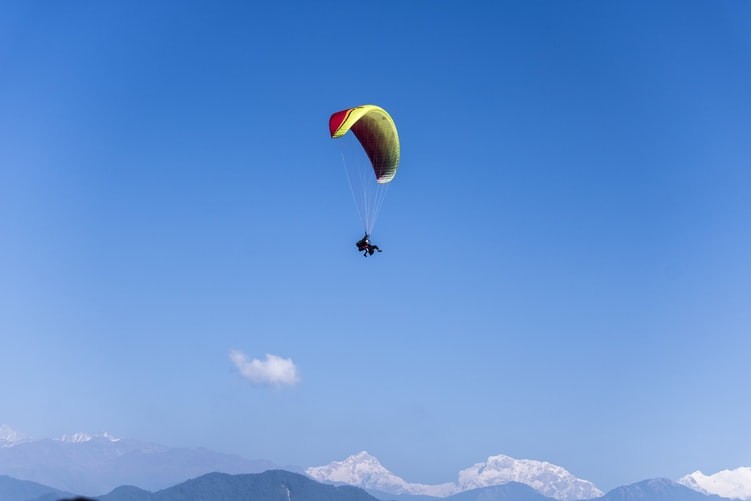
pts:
pixel 726 483
pixel 77 438
pixel 548 479
pixel 10 437
pixel 363 470
pixel 92 464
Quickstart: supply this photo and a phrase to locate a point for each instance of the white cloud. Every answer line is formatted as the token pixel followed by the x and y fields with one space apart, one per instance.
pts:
pixel 274 371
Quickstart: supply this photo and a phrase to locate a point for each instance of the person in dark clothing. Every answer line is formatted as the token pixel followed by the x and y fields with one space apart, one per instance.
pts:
pixel 363 243
pixel 364 246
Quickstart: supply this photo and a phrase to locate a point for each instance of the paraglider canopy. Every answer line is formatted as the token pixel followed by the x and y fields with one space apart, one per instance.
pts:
pixel 376 132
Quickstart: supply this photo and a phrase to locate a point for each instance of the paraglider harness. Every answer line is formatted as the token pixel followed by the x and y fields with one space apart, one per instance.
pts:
pixel 364 246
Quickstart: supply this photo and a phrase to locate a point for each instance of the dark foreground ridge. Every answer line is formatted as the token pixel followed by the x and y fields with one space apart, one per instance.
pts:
pixel 281 485
pixel 272 485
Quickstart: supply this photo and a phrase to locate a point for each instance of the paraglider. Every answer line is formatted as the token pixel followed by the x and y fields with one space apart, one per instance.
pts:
pixel 369 175
pixel 364 246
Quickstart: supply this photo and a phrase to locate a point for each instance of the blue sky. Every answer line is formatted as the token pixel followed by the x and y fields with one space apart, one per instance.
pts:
pixel 565 274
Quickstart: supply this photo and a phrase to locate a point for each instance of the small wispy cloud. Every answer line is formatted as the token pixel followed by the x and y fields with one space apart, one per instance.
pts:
pixel 274 371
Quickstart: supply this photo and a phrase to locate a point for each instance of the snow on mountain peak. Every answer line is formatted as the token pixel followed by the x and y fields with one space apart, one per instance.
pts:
pixel 364 470
pixel 78 438
pixel 734 484
pixel 364 457
pixel 10 437
pixel 549 479
pixel 360 469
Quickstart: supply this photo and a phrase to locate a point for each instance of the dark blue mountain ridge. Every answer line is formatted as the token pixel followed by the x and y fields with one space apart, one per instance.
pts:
pixel 128 493
pixel 102 463
pixel 271 485
pixel 13 489
pixel 656 489
pixel 511 491
pixel 281 485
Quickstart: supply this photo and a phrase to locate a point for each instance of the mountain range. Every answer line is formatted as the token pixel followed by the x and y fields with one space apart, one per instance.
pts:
pixel 271 485
pixel 12 489
pixel 92 464
pixel 364 470
pixel 279 485
pixel 552 481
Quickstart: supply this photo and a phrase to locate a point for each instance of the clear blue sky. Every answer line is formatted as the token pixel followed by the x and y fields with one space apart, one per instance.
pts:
pixel 565 275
